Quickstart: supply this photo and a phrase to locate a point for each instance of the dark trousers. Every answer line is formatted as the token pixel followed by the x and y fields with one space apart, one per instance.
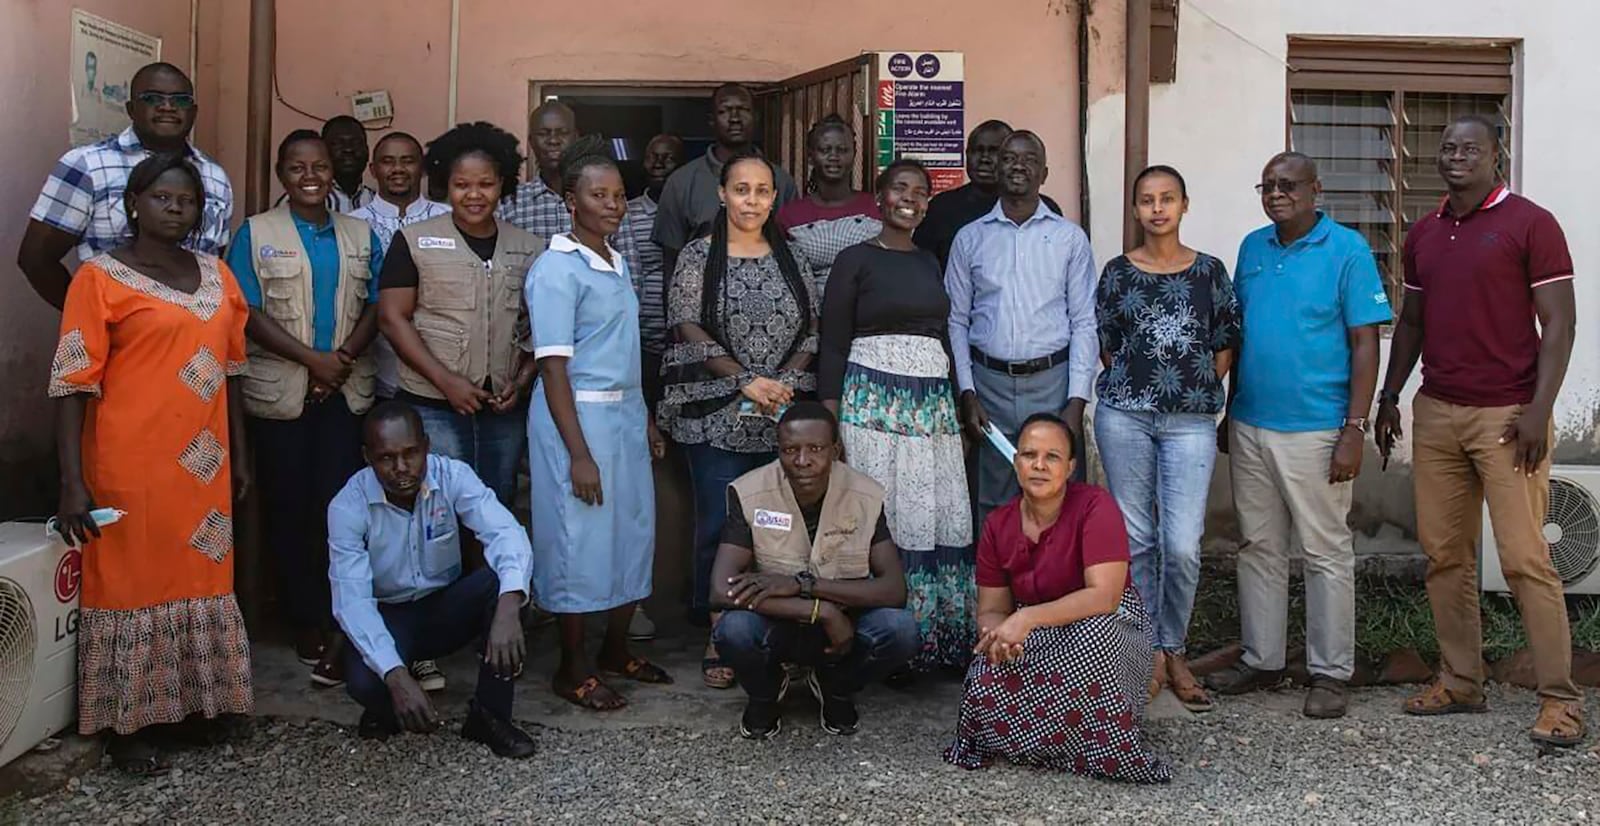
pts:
pixel 300 466
pixel 711 470
pixel 757 647
pixel 436 626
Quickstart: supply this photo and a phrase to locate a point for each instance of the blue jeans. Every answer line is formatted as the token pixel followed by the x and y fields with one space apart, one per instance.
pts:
pixel 490 443
pixel 757 647
pixel 1159 469
pixel 435 626
pixel 711 470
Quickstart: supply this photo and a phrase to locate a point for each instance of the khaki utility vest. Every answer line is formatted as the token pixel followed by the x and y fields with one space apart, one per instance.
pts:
pixel 275 387
pixel 468 310
pixel 850 512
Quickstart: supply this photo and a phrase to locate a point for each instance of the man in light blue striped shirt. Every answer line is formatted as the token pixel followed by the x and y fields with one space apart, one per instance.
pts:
pixel 1022 326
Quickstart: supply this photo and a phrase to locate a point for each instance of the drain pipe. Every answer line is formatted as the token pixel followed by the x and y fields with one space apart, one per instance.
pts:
pixel 1136 121
pixel 258 115
pixel 455 62
pixel 1083 119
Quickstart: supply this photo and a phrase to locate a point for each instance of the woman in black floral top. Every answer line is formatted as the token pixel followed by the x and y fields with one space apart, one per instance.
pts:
pixel 743 312
pixel 1169 325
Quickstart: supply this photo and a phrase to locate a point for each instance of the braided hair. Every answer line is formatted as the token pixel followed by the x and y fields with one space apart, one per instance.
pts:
pixel 713 303
pixel 585 152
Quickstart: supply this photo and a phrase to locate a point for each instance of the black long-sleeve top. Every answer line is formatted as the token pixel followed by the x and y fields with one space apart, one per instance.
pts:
pixel 877 291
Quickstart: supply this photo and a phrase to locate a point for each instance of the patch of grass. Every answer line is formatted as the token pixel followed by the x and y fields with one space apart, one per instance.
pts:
pixel 1391 614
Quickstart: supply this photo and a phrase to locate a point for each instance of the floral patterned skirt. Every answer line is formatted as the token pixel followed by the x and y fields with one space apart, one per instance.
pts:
pixel 898 424
pixel 1074 701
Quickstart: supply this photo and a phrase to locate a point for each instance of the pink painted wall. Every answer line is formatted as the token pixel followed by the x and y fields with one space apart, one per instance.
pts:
pixel 34 37
pixel 1021 56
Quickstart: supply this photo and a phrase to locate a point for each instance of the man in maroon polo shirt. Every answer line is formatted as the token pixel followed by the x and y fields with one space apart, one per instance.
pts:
pixel 1478 272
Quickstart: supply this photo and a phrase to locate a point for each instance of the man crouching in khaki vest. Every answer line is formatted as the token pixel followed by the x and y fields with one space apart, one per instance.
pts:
pixel 807 573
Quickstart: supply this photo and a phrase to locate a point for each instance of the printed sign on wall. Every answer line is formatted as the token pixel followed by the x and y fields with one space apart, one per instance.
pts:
pixel 104 57
pixel 919 106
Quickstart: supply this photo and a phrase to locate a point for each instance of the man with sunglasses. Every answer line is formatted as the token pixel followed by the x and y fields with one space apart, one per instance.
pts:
pixel 81 203
pixel 1312 300
pixel 1479 272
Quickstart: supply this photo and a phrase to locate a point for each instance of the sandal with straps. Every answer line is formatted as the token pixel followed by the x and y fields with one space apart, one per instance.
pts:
pixel 640 670
pixel 1436 700
pixel 583 695
pixel 1560 723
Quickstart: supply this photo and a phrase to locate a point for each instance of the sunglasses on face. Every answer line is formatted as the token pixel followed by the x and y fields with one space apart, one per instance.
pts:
pixel 179 100
pixel 1285 186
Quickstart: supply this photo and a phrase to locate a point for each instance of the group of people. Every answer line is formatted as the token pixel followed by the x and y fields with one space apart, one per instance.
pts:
pixel 831 360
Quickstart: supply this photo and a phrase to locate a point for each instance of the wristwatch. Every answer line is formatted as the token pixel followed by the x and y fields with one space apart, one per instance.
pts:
pixel 1389 397
pixel 808 583
pixel 1362 424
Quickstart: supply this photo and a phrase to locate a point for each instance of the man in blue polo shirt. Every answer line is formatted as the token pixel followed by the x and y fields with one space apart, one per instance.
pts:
pixel 1312 301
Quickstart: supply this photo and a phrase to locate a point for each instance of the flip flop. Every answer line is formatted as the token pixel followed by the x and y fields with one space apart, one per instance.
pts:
pixel 716 673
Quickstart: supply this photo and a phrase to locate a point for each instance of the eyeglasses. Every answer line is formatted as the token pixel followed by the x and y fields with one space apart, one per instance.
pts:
pixel 179 100
pixel 1285 186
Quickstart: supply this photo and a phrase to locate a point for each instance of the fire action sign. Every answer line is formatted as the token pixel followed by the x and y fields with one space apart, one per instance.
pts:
pixel 919 109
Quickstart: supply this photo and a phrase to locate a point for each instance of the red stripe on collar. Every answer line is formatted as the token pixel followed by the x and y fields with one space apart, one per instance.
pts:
pixel 1495 198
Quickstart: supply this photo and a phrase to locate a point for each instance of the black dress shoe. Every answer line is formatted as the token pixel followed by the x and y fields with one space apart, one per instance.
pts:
pixel 1242 679
pixel 501 736
pixel 375 726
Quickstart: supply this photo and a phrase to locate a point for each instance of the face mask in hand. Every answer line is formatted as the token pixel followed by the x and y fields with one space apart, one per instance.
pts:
pixel 101 516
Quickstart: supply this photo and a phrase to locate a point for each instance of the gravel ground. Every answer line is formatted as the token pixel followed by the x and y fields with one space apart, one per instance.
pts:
pixel 1254 760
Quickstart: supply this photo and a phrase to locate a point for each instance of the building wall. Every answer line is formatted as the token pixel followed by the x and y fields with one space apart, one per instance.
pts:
pixel 1225 115
pixel 34 38
pixel 1021 56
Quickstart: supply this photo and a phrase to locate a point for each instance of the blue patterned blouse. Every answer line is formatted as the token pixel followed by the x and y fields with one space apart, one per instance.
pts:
pixel 1163 332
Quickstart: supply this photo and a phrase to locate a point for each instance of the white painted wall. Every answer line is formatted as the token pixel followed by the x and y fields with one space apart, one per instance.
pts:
pixel 1225 116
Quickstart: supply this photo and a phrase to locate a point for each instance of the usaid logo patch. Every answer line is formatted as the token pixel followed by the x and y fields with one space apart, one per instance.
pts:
pixel 430 242
pixel 774 520
pixel 269 252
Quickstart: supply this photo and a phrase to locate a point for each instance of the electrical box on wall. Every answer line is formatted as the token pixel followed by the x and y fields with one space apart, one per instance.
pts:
pixel 372 105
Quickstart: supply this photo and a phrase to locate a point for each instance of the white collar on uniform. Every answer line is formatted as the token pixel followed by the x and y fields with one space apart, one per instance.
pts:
pixel 565 243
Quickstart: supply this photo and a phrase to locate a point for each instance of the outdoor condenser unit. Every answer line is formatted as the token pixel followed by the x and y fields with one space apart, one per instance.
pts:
pixel 1571 527
pixel 39 582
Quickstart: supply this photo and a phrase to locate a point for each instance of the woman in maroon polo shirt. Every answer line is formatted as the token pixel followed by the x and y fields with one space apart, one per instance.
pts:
pixel 1064 644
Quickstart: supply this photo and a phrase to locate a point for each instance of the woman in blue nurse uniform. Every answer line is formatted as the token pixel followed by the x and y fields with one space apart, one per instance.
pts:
pixel 591 439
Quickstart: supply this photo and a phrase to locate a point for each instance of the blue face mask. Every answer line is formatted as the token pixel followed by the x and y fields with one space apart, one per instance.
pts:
pixel 101 516
pixel 1000 442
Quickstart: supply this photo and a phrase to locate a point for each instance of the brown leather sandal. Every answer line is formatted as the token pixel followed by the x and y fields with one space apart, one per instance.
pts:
pixel 592 694
pixel 1436 699
pixel 1560 723
pixel 641 670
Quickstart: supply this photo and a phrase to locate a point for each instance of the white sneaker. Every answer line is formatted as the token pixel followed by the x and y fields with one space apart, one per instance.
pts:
pixel 641 628
pixel 428 675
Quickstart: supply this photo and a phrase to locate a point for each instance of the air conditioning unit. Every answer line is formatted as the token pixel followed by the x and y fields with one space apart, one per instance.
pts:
pixel 39 582
pixel 1571 527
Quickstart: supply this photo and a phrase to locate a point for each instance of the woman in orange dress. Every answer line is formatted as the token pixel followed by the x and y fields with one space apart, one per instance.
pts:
pixel 151 337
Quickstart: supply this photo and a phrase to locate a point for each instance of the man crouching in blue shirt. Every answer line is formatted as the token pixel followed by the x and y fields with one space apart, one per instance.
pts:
pixel 398 591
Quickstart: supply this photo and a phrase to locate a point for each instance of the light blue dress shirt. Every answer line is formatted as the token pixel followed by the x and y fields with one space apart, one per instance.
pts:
pixel 381 553
pixel 1020 292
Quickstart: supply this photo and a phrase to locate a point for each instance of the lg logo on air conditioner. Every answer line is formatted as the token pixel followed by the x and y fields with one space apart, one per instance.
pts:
pixel 69 579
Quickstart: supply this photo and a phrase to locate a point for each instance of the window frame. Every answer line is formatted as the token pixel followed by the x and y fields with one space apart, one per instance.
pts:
pixel 1400 67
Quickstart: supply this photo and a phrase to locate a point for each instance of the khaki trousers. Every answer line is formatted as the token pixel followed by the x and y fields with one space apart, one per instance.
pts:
pixel 1458 463
pixel 1286 504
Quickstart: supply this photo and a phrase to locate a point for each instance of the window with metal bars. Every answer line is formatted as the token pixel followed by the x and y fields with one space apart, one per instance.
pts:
pixel 1371 114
